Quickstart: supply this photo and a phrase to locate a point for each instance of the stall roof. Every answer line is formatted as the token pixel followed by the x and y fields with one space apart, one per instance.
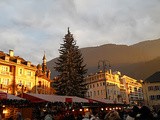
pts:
pixel 53 98
pixel 13 97
pixel 105 101
pixel 4 95
pixel 58 98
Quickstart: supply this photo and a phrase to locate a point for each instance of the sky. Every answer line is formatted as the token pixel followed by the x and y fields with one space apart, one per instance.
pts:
pixel 30 27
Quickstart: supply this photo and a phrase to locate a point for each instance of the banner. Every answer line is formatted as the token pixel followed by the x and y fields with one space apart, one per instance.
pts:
pixel 69 100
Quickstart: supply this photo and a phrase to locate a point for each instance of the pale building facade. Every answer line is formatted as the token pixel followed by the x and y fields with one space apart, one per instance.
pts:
pixel 133 89
pixel 18 76
pixel 118 87
pixel 151 88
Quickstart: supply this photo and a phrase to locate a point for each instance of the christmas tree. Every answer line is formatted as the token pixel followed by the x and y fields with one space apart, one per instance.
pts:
pixel 71 69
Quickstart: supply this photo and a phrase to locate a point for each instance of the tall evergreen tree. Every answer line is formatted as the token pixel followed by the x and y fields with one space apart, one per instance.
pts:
pixel 70 68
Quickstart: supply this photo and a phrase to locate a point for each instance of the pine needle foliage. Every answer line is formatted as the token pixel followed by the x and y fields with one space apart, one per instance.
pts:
pixel 71 69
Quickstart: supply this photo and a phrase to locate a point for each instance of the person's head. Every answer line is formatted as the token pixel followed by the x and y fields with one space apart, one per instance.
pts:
pixel 158 113
pixel 135 109
pixel 145 110
pixel 113 115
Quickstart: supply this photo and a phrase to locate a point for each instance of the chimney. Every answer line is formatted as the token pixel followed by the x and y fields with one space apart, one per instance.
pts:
pixel 11 53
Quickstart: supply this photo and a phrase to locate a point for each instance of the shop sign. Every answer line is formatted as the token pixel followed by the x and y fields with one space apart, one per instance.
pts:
pixel 69 100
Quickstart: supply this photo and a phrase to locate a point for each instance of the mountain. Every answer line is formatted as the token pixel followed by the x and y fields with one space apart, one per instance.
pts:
pixel 138 61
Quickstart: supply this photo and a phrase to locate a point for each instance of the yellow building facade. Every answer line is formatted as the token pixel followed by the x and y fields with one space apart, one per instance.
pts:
pixel 114 86
pixel 19 76
pixel 133 89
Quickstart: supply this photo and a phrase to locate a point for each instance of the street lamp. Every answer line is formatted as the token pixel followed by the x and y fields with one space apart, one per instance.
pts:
pixel 22 88
pixel 104 65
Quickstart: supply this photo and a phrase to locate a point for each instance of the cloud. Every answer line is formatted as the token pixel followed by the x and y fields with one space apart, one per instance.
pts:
pixel 31 27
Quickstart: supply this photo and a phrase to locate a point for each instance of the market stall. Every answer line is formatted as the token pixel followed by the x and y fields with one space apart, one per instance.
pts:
pixel 10 105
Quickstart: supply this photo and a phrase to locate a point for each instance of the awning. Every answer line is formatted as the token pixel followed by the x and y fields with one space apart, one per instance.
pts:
pixel 33 99
pixel 13 97
pixel 104 101
pixel 53 98
pixel 4 95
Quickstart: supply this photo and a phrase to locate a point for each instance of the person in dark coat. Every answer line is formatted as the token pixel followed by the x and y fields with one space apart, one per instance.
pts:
pixel 133 113
pixel 145 114
pixel 158 115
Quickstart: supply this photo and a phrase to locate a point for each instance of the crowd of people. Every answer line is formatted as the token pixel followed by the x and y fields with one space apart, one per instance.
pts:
pixel 134 113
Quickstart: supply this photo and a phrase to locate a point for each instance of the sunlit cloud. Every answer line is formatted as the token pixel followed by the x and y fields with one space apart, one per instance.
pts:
pixel 30 27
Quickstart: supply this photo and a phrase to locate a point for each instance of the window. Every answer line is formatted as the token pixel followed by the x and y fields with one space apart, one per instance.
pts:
pixel 139 89
pixel 156 88
pixel 90 93
pixel 39 83
pixel 87 94
pixel 108 91
pixel 28 73
pixel 98 92
pixel 20 71
pixel 103 83
pixel 152 97
pixel 28 84
pixel 5 68
pixel 101 92
pixel 5 81
pixel 135 89
pixel 158 97
pixel 88 86
pixel 150 88
pixel 94 93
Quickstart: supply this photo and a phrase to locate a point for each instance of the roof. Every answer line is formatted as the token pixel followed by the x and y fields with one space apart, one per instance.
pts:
pixel 153 78
pixel 2 53
pixel 58 98
pixel 105 101
pixel 53 98
pixel 14 58
pixel 4 95
pixel 13 97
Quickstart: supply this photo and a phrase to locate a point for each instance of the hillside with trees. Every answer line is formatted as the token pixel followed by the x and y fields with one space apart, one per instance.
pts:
pixel 138 61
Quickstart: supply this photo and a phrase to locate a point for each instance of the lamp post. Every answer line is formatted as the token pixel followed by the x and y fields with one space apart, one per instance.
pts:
pixel 104 64
pixel 22 88
pixel 35 83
